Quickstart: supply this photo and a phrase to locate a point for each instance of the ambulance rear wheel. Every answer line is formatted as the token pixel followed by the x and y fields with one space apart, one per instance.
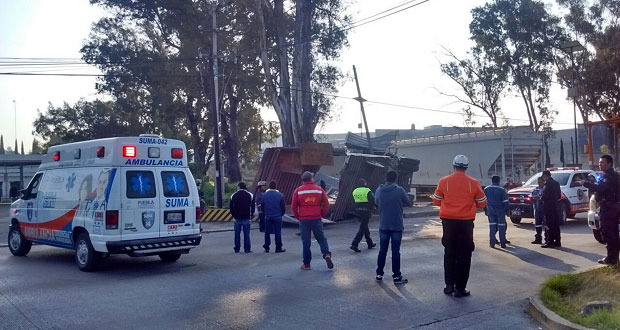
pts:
pixel 85 255
pixel 18 244
pixel 515 220
pixel 169 257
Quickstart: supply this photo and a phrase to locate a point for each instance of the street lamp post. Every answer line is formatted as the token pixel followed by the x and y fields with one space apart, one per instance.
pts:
pixel 572 47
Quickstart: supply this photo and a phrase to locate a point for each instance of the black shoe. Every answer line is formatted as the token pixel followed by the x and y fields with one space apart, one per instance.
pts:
pixel 461 293
pixel 371 245
pixel 236 250
pixel 400 280
pixel 507 242
pixel 248 251
pixel 328 261
pixel 266 250
pixel 355 248
pixel 605 261
pixel 548 245
pixel 503 246
pixel 535 241
pixel 449 289
pixel 558 244
pixel 492 245
pixel 379 278
pixel 281 251
pixel 298 234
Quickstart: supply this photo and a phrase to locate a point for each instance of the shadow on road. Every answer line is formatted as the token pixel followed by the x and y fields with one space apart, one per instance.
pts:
pixel 538 259
pixel 587 255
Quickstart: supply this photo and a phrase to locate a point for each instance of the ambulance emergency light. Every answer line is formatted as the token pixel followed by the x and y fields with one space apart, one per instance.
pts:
pixel 129 151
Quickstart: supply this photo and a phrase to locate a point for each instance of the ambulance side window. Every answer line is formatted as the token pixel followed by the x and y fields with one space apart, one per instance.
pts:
pixel 140 184
pixel 33 188
pixel 174 184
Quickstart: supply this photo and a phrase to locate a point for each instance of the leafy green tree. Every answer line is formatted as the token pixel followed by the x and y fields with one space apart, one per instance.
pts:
pixel 524 37
pixel 36 147
pixel 23 148
pixel 85 120
pixel 1 144
pixel 481 81
pixel 596 71
pixel 16 149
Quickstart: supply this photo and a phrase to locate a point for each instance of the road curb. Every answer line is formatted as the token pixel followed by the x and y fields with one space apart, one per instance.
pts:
pixel 431 213
pixel 549 318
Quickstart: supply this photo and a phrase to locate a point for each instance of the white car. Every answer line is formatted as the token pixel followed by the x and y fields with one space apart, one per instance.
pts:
pixel 574 197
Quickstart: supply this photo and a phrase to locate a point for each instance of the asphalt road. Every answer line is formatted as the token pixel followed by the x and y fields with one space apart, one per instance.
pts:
pixel 214 288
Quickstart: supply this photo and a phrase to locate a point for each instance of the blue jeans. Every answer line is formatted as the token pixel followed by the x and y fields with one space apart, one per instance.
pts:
pixel 497 222
pixel 385 236
pixel 316 227
pixel 245 225
pixel 273 226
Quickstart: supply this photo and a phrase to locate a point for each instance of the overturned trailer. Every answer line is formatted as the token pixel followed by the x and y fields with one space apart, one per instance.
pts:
pixel 372 168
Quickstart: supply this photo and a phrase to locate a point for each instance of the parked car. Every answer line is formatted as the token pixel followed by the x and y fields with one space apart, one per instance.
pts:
pixel 574 197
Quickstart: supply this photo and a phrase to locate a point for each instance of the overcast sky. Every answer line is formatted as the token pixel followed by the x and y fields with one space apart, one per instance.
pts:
pixel 397 60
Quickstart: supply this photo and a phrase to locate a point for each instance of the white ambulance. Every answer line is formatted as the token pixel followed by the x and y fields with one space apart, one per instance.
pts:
pixel 123 195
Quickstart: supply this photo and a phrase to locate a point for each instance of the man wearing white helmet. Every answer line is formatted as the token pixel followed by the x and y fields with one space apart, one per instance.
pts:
pixel 458 196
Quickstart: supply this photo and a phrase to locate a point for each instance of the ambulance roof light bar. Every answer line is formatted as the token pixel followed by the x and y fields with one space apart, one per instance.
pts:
pixel 563 168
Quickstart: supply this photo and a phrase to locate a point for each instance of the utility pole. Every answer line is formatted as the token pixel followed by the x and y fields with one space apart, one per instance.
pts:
pixel 361 100
pixel 216 98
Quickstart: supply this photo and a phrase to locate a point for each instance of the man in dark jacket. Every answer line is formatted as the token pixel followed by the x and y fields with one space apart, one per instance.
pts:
pixel 550 197
pixel 273 207
pixel 242 209
pixel 391 198
pixel 364 203
pixel 261 186
pixel 607 194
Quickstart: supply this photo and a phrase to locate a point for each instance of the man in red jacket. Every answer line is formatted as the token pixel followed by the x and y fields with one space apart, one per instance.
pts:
pixel 309 205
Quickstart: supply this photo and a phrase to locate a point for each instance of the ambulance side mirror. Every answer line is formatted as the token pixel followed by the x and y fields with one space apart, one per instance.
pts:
pixel 24 194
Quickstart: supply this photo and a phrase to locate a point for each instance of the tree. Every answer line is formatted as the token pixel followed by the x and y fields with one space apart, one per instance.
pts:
pixel 36 147
pixel 149 52
pixel 23 148
pixel 16 150
pixel 562 152
pixel 85 120
pixel 595 23
pixel 481 80
pixel 522 36
pixel 297 82
pixel 547 157
pixel 1 144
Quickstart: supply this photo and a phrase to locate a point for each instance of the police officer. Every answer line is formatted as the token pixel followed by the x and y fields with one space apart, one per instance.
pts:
pixel 550 196
pixel 458 196
pixel 607 195
pixel 496 208
pixel 539 214
pixel 364 202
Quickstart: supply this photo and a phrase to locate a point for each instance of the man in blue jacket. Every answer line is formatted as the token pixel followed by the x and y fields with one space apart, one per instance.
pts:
pixel 391 198
pixel 273 206
pixel 497 205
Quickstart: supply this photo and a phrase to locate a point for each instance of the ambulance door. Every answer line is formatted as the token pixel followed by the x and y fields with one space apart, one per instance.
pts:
pixel 178 207
pixel 27 214
pixel 139 215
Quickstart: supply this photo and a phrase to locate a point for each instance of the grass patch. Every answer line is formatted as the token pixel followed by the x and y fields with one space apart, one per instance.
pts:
pixel 565 294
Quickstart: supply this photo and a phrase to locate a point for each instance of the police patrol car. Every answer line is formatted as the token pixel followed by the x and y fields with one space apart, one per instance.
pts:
pixel 574 197
pixel 122 195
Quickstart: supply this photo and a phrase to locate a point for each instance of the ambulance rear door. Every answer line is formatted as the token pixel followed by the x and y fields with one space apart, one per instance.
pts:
pixel 140 212
pixel 178 205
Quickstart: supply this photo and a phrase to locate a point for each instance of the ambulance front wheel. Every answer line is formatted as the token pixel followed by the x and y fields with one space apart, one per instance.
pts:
pixel 85 255
pixel 18 244
pixel 169 256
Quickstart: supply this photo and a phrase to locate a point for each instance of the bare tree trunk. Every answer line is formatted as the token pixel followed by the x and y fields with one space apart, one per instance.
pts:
pixel 280 96
pixel 200 149
pixel 304 115
pixel 231 137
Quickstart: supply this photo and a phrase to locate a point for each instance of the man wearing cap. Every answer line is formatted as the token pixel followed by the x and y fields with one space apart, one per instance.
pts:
pixel 309 205
pixel 242 209
pixel 273 208
pixel 364 203
pixel 458 196
pixel 258 199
